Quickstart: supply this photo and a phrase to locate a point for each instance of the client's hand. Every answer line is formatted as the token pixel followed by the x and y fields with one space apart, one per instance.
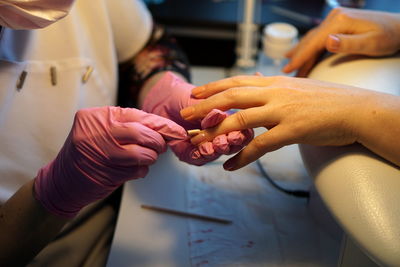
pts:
pixel 106 147
pixel 171 94
pixel 350 31
pixel 299 111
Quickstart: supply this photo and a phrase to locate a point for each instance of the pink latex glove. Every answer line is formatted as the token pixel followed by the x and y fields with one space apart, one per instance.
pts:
pixel 106 147
pixel 171 94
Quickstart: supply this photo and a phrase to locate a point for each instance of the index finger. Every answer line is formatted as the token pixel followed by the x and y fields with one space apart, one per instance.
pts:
pixel 213 88
pixel 233 98
pixel 243 119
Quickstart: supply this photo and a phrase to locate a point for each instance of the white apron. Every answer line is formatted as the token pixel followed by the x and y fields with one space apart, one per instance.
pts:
pixel 69 65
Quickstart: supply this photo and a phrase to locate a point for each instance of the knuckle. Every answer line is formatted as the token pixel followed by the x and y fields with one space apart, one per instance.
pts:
pixel 280 80
pixel 332 14
pixel 377 48
pixel 237 80
pixel 258 146
pixel 241 119
pixel 338 11
pixel 342 17
pixel 313 31
pixel 232 93
pixel 209 86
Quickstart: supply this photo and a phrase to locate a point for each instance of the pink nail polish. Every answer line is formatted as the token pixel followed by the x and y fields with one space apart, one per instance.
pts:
pixel 333 43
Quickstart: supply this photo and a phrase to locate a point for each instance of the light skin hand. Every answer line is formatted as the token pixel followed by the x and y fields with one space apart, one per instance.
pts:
pixel 350 31
pixel 299 111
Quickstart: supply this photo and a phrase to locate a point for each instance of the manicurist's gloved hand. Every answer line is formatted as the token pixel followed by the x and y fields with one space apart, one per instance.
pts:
pixel 106 147
pixel 171 94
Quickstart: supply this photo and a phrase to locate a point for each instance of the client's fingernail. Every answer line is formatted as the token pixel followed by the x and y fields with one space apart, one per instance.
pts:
pixel 193 132
pixel 198 91
pixel 186 113
pixel 333 43
pixel 287 68
pixel 199 138
pixel 229 165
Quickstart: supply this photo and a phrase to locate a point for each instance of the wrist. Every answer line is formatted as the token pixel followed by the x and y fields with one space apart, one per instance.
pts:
pixel 168 96
pixel 64 191
pixel 151 82
pixel 46 191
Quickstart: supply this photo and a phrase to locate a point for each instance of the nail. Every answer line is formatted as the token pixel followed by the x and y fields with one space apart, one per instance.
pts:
pixel 287 68
pixel 199 138
pixel 198 91
pixel 333 43
pixel 229 165
pixel 186 113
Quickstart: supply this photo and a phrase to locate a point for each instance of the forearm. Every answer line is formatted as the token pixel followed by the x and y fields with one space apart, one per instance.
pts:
pixel 379 129
pixel 25 227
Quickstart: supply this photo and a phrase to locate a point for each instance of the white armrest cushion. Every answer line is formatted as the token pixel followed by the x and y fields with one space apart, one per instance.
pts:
pixel 360 189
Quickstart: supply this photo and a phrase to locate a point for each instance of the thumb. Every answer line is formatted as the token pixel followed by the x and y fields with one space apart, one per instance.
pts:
pixel 351 43
pixel 167 128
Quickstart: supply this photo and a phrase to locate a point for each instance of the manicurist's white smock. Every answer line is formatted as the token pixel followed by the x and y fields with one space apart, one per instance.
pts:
pixel 46 75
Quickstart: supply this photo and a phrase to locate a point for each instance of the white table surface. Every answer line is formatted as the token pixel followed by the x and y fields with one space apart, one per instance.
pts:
pixel 150 238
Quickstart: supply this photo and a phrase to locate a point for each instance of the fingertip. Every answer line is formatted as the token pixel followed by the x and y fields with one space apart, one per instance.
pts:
pixel 293 50
pixel 187 113
pixel 230 165
pixel 287 68
pixel 141 172
pixel 146 156
pixel 173 131
pixel 198 91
